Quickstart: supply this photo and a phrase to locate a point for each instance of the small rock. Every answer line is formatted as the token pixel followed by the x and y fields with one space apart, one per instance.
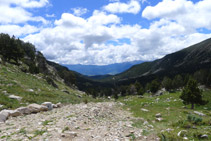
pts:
pixel 159 119
pixel 199 113
pixel 69 135
pixel 1 106
pixel 3 116
pixel 48 104
pixel 15 97
pixel 181 133
pixel 30 90
pixel 185 138
pixel 145 122
pixel 158 115
pixel 204 136
pixel 145 110
pixel 59 105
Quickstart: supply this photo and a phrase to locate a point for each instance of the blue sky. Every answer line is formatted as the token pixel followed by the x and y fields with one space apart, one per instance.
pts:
pixel 100 32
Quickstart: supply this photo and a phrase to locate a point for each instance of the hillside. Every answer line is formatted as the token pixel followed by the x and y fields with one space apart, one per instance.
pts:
pixel 188 60
pixel 92 70
pixel 32 88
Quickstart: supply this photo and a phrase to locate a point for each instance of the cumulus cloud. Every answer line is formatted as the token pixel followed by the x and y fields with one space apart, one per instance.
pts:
pixel 182 11
pixel 18 30
pixel 79 11
pixel 118 7
pixel 76 40
pixel 13 11
pixel 102 38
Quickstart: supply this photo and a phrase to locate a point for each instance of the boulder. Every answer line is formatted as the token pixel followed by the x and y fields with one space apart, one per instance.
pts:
pixel 48 104
pixel 24 110
pixel 3 116
pixel 13 113
pixel 35 108
pixel 15 97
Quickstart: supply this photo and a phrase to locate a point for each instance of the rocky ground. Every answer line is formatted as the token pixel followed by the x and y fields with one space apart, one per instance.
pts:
pixel 81 122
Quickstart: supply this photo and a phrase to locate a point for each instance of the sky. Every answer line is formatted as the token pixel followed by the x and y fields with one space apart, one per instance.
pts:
pixel 101 32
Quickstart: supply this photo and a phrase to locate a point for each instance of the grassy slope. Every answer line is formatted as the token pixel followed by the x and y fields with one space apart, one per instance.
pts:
pixel 173 113
pixel 16 82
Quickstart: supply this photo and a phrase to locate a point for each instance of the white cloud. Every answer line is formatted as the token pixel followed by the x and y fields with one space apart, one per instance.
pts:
pixel 79 11
pixel 118 7
pixel 102 38
pixel 25 3
pixel 182 11
pixel 14 12
pixel 50 15
pixel 76 40
pixel 18 30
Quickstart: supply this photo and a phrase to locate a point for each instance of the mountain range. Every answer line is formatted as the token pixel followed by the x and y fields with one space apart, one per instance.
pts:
pixel 188 60
pixel 92 70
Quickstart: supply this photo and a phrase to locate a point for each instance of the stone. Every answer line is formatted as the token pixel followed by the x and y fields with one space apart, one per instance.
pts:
pixel 199 113
pixel 1 106
pixel 58 105
pixel 181 133
pixel 185 138
pixel 145 110
pixel 204 136
pixel 158 115
pixel 3 116
pixel 15 97
pixel 30 90
pixel 159 119
pixel 69 135
pixel 24 110
pixel 13 113
pixel 35 108
pixel 48 104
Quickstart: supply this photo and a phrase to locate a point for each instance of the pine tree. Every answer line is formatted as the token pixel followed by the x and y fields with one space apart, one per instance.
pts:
pixel 191 94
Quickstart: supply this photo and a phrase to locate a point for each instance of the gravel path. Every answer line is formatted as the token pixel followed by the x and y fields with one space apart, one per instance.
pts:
pixel 105 121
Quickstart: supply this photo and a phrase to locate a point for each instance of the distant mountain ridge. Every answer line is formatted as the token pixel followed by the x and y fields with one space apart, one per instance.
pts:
pixel 92 70
pixel 188 60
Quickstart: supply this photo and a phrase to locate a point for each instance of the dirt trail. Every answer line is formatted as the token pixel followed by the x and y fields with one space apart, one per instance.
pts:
pixel 105 121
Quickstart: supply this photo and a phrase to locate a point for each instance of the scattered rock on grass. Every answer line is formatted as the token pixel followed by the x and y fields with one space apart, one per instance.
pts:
pixel 15 97
pixel 204 136
pixel 199 113
pixel 158 115
pixel 145 110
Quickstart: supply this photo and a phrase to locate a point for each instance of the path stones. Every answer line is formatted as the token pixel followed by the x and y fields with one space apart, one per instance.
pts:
pixel 3 116
pixel 48 104
pixel 35 108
